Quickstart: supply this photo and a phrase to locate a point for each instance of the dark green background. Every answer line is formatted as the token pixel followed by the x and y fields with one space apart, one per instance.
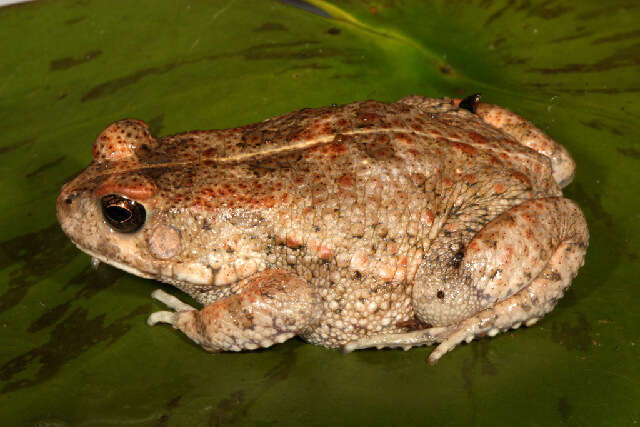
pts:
pixel 74 347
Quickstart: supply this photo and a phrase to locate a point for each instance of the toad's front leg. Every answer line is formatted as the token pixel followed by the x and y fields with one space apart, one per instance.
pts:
pixel 269 307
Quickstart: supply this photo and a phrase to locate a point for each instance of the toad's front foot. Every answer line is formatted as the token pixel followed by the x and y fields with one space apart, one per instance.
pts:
pixel 171 302
pixel 269 307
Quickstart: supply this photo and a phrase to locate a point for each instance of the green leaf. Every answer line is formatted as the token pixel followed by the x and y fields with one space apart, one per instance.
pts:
pixel 74 345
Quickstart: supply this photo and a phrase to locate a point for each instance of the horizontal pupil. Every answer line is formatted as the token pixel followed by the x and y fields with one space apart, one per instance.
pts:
pixel 118 214
pixel 122 214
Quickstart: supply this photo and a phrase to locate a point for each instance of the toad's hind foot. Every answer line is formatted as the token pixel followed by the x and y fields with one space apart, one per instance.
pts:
pixel 404 340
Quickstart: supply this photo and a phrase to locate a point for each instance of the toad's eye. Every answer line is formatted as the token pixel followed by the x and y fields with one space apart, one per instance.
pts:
pixel 124 215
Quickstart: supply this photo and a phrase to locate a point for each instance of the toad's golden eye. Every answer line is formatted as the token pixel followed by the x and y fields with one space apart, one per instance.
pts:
pixel 124 215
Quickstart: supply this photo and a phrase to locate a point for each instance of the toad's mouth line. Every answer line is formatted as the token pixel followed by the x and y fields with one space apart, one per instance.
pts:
pixel 180 283
pixel 125 267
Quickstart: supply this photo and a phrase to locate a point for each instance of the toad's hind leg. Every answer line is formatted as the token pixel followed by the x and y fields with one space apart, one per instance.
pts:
pixel 270 307
pixel 525 307
pixel 523 131
pixel 513 272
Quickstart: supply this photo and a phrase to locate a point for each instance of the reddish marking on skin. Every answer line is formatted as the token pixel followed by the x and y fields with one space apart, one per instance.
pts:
pixel 509 250
pixel 247 297
pixel 442 141
pixel 392 248
pixel 384 271
pixel 447 182
pixel 497 115
pixel 540 144
pixel 402 261
pixel 528 218
pixel 401 268
pixel 466 148
pixel 325 129
pixel 529 233
pixel 208 192
pixel 268 202
pixel 334 149
pixel 470 178
pixel 368 117
pixel 346 180
pixel 325 253
pixel 427 217
pixel 293 241
pixel 112 151
pixel 133 190
pixel 202 204
pixel 451 226
pixel 359 261
pixel 322 251
pixel 505 156
pixel 522 178
pixel 306 134
pixel 404 138
pixel 210 152
pixel 472 247
pixel 537 168
pixel 477 138
pixel 498 188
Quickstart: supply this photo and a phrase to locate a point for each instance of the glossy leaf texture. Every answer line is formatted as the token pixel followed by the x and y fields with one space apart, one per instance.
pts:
pixel 75 348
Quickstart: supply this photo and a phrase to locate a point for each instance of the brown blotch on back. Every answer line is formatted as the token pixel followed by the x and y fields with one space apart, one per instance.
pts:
pixel 346 180
pixel 465 148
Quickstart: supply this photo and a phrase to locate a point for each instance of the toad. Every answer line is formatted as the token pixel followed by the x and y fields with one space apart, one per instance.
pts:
pixel 423 221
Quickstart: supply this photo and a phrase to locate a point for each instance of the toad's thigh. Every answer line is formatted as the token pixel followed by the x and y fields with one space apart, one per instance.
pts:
pixel 502 259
